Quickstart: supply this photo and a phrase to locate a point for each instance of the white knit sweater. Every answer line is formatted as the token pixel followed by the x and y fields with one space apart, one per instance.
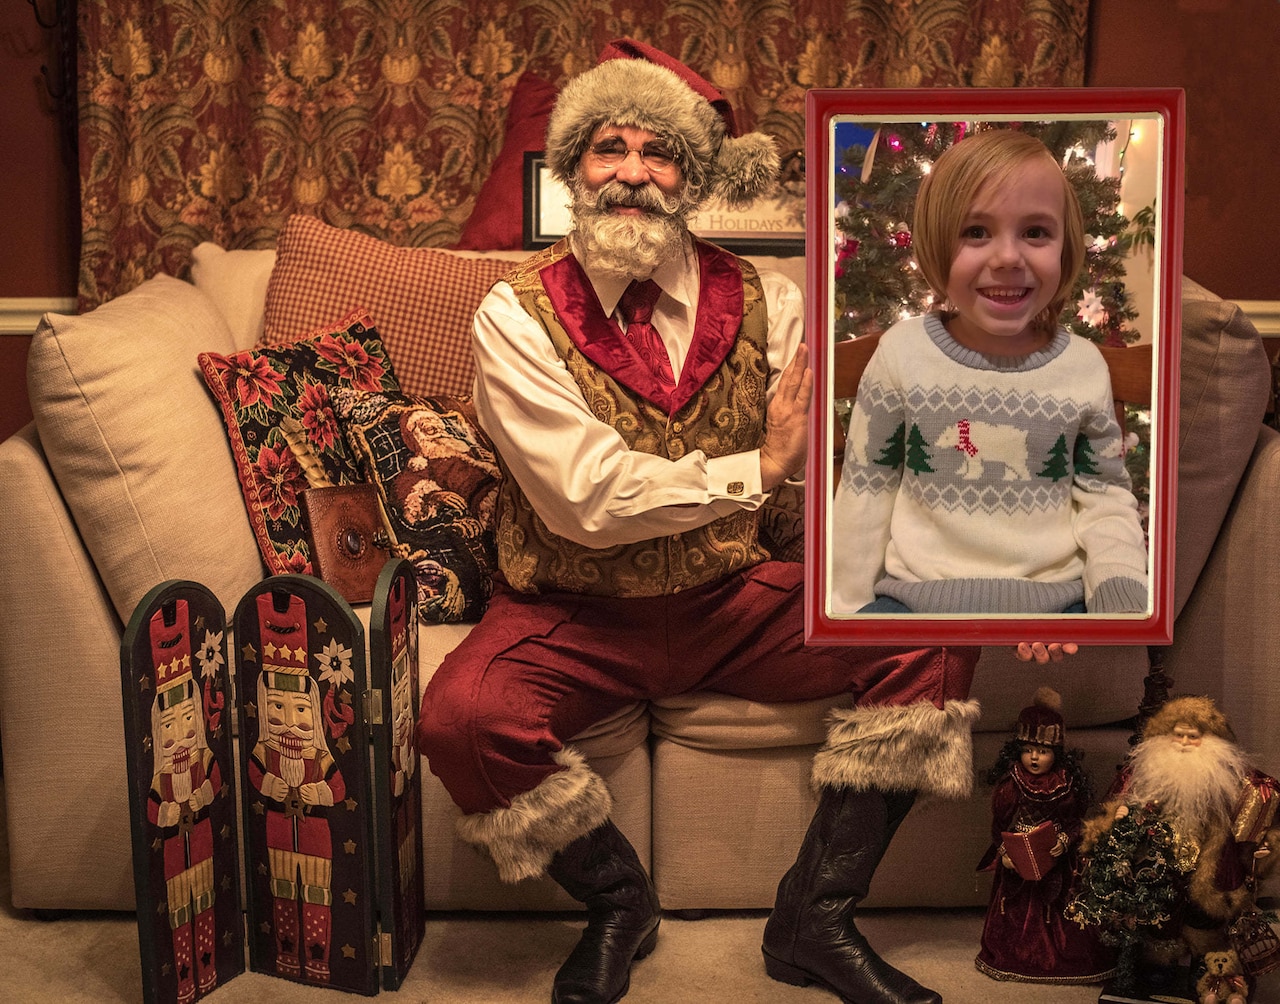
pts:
pixel 975 483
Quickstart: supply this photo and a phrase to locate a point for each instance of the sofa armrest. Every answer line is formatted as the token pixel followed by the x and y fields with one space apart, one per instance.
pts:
pixel 65 788
pixel 1226 642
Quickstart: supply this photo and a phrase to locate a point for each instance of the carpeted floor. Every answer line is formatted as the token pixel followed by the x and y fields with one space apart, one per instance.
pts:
pixel 511 959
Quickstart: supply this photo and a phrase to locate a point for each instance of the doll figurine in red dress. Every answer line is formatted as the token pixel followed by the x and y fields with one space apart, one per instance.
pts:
pixel 1040 797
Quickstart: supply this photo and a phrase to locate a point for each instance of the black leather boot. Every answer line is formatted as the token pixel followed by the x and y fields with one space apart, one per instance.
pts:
pixel 602 870
pixel 810 936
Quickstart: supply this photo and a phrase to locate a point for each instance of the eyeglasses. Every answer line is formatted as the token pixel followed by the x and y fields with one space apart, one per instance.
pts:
pixel 655 155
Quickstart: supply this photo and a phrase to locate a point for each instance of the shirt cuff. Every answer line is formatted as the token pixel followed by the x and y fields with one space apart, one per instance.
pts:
pixel 737 478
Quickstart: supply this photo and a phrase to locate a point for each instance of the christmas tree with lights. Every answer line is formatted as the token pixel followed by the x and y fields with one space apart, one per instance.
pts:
pixel 876 281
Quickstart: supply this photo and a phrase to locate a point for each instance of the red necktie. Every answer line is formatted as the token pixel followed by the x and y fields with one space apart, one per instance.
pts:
pixel 636 306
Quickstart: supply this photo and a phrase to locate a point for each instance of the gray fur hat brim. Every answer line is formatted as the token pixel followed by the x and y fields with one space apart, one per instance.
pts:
pixel 643 95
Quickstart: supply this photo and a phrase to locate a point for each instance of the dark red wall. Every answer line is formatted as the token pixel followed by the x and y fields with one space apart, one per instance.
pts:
pixel 39 226
pixel 1221 51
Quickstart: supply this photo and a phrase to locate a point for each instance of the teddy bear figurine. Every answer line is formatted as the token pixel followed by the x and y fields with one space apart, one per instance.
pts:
pixel 1223 981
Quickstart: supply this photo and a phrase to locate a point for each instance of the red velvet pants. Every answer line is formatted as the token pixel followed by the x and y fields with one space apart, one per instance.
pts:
pixel 538 670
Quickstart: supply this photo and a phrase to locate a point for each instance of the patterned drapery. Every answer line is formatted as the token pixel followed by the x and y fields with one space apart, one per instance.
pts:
pixel 217 119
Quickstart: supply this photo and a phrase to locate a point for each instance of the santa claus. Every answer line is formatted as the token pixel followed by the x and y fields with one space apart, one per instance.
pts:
pixel 1190 770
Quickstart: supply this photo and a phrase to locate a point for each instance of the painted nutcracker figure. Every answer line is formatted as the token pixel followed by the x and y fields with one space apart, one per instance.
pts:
pixel 186 779
pixel 405 792
pixel 293 769
pixel 1037 808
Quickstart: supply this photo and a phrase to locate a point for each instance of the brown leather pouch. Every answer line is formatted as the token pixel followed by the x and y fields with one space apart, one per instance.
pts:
pixel 349 543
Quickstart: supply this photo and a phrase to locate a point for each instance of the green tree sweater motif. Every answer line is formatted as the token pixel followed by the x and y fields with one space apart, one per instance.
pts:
pixel 976 483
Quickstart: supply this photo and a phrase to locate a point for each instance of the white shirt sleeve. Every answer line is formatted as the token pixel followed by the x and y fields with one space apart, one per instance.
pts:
pixel 577 471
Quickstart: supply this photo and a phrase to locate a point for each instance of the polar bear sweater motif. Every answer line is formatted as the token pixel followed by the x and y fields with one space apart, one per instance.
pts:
pixel 976 483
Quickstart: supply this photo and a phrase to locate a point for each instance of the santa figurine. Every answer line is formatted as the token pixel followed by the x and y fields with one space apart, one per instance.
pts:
pixel 1189 774
pixel 1037 807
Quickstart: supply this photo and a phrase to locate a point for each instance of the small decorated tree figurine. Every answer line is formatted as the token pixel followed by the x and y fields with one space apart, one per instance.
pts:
pixel 1040 797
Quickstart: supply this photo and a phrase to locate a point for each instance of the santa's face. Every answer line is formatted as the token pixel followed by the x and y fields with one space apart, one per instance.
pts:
pixel 290 722
pixel 177 736
pixel 1186 737
pixel 635 157
pixel 1037 759
pixel 630 203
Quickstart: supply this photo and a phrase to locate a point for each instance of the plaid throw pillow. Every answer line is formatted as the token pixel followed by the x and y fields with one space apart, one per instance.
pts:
pixel 284 435
pixel 438 480
pixel 424 298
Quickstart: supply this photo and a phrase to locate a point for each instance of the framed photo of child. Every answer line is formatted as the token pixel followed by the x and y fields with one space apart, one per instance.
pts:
pixel 994 318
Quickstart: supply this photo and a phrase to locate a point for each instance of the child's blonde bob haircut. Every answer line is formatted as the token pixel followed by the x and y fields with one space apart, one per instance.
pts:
pixel 946 194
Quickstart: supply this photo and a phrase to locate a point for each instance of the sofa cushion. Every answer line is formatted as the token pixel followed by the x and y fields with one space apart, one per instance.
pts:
pixel 236 281
pixel 423 299
pixel 438 480
pixel 497 221
pixel 279 419
pixel 136 445
pixel 1226 383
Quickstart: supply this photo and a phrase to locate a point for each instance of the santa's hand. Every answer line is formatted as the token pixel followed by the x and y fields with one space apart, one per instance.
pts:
pixel 168 813
pixel 1122 811
pixel 1042 653
pixel 1262 851
pixel 1006 861
pixel 274 788
pixel 786 437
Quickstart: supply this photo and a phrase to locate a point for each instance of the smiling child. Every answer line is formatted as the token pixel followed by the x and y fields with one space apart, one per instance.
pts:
pixel 984 464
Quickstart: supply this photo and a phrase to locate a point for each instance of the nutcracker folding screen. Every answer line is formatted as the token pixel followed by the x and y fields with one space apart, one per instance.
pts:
pixel 866 151
pixel 328 777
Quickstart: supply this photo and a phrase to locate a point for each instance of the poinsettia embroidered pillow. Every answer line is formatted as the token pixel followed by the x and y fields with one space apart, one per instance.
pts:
pixel 438 480
pixel 284 434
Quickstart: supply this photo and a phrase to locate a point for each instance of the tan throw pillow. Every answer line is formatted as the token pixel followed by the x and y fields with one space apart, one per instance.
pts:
pixel 236 281
pixel 1225 383
pixel 138 447
pixel 423 299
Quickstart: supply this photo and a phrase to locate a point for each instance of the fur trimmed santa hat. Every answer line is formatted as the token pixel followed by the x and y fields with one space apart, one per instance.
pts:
pixel 636 85
pixel 1197 711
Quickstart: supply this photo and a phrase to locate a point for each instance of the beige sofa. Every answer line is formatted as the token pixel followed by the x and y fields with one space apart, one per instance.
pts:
pixel 125 479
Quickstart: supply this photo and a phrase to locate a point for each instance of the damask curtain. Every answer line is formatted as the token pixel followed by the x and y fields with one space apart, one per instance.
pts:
pixel 217 119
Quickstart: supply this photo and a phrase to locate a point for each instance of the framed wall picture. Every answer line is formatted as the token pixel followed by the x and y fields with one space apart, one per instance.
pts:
pixel 772 225
pixel 972 491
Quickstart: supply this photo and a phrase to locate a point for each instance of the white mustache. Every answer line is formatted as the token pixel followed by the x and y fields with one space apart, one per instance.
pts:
pixel 647 196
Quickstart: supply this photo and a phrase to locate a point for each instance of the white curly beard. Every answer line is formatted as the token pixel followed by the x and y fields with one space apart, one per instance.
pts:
pixel 1197 787
pixel 632 247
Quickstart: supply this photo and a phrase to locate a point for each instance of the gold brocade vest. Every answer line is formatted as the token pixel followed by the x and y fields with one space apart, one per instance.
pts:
pixel 720 411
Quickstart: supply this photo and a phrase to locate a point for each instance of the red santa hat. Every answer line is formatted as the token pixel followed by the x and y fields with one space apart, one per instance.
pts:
pixel 636 85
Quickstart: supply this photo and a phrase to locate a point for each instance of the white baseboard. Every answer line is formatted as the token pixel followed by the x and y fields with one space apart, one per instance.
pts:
pixel 20 315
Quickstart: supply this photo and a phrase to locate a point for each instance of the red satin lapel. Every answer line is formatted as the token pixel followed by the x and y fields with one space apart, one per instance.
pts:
pixel 720 306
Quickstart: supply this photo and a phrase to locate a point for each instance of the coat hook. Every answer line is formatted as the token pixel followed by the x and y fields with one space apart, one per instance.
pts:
pixel 57 14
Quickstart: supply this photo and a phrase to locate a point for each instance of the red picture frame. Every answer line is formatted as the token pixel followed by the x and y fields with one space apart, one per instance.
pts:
pixel 1159 115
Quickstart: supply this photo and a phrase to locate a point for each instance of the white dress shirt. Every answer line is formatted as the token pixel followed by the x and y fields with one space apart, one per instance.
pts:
pixel 577 471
